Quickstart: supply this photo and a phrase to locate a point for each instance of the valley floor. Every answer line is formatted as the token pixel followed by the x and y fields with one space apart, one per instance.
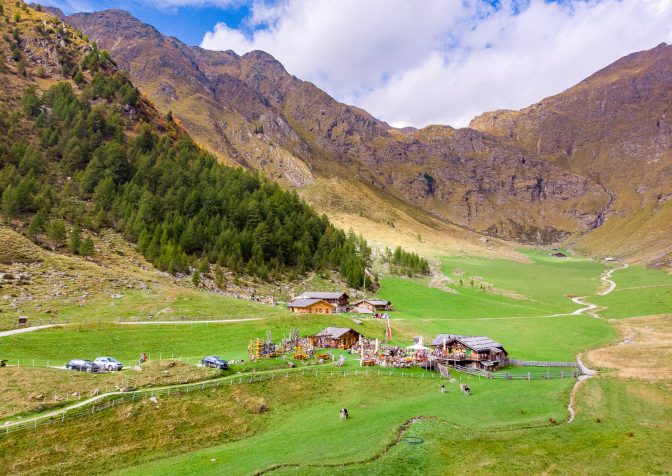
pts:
pixel 398 424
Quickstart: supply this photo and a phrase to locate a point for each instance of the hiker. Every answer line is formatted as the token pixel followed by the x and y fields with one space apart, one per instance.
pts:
pixel 142 359
pixel 443 388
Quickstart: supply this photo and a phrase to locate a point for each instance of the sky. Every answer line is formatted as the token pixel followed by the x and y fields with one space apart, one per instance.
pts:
pixel 418 62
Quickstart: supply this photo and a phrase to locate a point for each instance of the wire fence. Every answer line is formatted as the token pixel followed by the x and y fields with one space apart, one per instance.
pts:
pixel 528 363
pixel 61 363
pixel 106 401
pixel 505 375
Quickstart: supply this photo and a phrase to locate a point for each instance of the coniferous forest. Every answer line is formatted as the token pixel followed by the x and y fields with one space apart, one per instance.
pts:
pixel 85 153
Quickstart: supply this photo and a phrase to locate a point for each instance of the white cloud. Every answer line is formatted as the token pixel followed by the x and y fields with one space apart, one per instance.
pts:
pixel 417 63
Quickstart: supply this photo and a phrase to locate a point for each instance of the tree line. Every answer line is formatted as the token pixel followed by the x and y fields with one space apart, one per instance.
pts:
pixel 87 154
pixel 405 263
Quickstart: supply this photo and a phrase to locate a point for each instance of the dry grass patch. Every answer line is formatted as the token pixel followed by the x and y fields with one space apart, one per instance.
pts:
pixel 33 389
pixel 645 351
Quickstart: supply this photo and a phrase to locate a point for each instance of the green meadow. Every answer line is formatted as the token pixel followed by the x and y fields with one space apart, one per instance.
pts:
pixel 639 292
pixel 541 286
pixel 505 427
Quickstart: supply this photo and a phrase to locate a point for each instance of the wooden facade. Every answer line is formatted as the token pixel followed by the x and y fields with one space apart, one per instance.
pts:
pixel 469 351
pixel 335 338
pixel 311 306
pixel 339 299
pixel 372 305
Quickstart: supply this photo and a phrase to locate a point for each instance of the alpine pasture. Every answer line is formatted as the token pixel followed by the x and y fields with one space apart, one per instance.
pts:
pixel 399 419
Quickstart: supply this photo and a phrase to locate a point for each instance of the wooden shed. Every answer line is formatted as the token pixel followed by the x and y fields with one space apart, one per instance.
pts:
pixel 335 338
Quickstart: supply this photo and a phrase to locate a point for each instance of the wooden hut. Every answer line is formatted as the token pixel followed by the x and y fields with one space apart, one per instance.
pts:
pixel 311 306
pixel 478 352
pixel 370 306
pixel 335 338
pixel 339 299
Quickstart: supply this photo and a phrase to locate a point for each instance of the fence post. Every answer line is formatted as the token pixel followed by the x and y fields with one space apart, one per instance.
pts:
pixel 562 374
pixel 529 379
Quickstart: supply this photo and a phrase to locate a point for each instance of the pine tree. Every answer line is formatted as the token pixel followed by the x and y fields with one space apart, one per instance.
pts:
pixel 56 232
pixel 75 240
pixel 86 248
pixel 37 224
pixel 196 278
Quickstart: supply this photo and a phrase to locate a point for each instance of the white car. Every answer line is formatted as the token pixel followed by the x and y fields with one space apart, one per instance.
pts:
pixel 108 363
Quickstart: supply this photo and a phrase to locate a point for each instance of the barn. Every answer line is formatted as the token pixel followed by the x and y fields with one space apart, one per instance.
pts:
pixel 335 338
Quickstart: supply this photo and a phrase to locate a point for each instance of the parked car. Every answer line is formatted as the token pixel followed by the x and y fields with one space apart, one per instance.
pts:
pixel 108 363
pixel 82 365
pixel 215 362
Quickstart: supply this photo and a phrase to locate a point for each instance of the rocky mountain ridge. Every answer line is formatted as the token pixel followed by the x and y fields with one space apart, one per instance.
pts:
pixel 250 111
pixel 573 168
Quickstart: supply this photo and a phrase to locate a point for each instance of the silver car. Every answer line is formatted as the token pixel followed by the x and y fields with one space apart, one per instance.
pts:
pixel 108 363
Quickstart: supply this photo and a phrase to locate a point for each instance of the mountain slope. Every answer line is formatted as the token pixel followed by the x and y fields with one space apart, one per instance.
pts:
pixel 615 127
pixel 249 110
pixel 80 146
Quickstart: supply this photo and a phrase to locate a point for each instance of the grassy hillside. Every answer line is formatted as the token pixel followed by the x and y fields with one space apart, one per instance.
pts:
pixel 302 425
pixel 639 292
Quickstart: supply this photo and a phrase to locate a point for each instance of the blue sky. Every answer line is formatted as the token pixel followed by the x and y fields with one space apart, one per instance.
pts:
pixel 185 21
pixel 418 62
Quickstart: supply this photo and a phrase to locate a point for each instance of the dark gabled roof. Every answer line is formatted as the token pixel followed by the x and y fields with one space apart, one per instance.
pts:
pixel 334 332
pixel 322 295
pixel 375 302
pixel 476 343
pixel 479 343
pixel 305 302
pixel 440 338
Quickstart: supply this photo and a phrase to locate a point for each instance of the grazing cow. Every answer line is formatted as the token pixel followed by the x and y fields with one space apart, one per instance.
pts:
pixel 465 389
pixel 344 413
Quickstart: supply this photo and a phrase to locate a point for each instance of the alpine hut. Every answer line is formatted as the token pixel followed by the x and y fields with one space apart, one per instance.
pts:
pixel 311 306
pixel 339 299
pixel 335 338
pixel 477 352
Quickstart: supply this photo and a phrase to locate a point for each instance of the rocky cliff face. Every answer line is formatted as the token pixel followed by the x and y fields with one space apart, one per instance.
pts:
pixel 616 128
pixel 249 110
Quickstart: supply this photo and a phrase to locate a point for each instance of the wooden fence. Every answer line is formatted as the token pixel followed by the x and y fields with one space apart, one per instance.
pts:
pixel 527 363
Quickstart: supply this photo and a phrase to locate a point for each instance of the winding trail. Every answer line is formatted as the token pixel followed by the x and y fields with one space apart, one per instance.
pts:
pixel 26 329
pixel 590 310
pixel 212 321
pixel 586 374
pixel 606 278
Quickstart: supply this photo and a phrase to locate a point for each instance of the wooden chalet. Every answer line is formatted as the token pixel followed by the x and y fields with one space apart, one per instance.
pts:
pixel 335 338
pixel 370 306
pixel 477 352
pixel 311 306
pixel 339 299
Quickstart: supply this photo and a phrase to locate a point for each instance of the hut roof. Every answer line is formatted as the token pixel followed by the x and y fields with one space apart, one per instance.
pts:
pixel 335 332
pixel 441 338
pixel 375 302
pixel 305 302
pixel 477 343
pixel 322 295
